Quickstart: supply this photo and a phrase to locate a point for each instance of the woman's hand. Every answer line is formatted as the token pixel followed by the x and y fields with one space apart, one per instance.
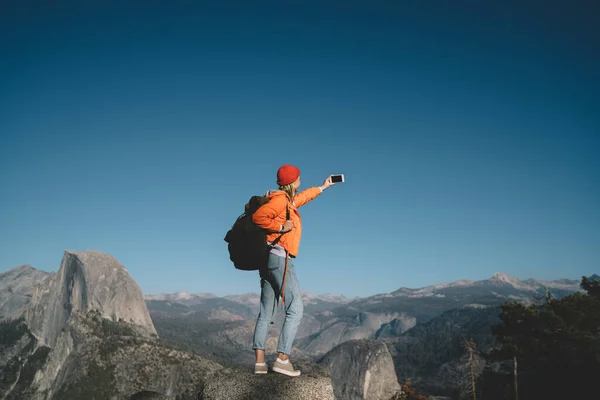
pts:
pixel 327 183
pixel 288 226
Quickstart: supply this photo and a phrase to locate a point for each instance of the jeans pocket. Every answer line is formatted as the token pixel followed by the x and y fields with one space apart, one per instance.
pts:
pixel 275 262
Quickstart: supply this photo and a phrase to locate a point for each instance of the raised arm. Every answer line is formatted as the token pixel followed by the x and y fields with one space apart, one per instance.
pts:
pixel 306 195
pixel 312 193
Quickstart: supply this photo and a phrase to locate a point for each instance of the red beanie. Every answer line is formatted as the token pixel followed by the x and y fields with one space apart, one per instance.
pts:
pixel 287 174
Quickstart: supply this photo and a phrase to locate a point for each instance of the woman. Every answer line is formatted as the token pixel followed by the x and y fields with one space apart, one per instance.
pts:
pixel 279 277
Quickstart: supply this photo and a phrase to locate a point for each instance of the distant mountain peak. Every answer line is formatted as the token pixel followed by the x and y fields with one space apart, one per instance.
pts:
pixel 183 297
pixel 328 297
pixel 86 280
pixel 501 277
pixel 17 270
pixel 16 288
pixel 25 267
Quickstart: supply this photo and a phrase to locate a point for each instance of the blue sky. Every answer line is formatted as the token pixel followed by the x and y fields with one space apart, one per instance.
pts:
pixel 468 133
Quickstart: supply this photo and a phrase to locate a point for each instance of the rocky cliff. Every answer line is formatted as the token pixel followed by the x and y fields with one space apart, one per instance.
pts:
pixel 362 370
pixel 86 333
pixel 87 280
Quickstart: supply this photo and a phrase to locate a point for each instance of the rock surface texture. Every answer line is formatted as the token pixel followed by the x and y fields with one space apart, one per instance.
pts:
pixel 361 369
pixel 148 395
pixel 16 288
pixel 234 385
pixel 87 280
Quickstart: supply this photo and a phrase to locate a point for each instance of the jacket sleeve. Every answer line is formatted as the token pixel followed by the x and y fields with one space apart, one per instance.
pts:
pixel 266 215
pixel 306 195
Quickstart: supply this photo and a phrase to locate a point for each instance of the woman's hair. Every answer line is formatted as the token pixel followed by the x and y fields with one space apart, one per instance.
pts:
pixel 289 189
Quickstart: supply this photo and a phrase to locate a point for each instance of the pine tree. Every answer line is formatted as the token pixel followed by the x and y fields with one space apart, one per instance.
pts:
pixel 474 368
pixel 554 342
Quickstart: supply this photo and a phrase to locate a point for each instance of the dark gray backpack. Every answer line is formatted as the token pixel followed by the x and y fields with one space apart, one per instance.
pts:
pixel 247 242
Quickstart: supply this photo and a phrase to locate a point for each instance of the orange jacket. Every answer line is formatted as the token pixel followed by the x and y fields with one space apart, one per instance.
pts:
pixel 271 217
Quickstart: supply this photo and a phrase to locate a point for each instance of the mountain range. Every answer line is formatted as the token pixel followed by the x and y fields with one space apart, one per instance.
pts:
pixel 415 324
pixel 90 319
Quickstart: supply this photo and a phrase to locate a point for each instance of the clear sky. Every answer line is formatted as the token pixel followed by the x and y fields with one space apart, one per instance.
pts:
pixel 469 135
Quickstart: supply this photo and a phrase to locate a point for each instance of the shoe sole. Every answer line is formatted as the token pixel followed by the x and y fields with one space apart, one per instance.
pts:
pixel 286 372
pixel 259 372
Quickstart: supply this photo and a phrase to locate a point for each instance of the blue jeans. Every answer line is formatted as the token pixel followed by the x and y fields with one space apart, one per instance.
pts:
pixel 271 281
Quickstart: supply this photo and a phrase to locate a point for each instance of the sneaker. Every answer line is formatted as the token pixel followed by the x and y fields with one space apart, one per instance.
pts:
pixel 286 369
pixel 261 369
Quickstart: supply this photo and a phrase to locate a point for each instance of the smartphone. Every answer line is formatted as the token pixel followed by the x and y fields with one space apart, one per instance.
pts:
pixel 337 178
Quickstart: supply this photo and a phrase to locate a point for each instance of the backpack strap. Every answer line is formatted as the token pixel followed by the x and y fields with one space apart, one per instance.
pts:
pixel 287 217
pixel 287 257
